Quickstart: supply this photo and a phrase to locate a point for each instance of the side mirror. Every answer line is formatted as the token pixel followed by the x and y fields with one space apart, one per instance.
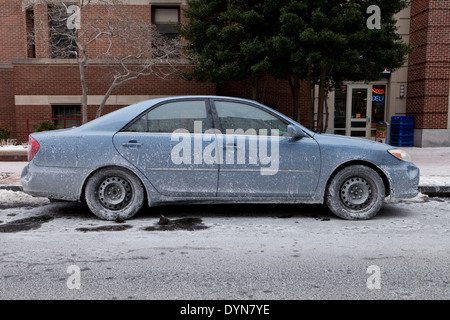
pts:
pixel 295 132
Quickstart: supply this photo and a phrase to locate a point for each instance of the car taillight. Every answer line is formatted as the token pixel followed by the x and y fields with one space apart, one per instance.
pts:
pixel 33 148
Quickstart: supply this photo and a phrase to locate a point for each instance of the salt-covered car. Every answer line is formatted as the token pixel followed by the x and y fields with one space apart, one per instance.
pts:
pixel 210 149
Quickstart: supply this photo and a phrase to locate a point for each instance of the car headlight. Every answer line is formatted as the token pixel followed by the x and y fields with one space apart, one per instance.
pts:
pixel 400 154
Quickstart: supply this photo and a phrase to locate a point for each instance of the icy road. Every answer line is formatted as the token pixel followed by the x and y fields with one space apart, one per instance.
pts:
pixel 61 251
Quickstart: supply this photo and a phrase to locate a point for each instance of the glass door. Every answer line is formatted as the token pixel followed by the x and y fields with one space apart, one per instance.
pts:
pixel 378 106
pixel 359 117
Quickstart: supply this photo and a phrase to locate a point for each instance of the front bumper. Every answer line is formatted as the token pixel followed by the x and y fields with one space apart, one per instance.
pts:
pixel 404 180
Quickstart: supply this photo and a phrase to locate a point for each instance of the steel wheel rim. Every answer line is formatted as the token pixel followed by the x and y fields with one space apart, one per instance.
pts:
pixel 114 193
pixel 356 193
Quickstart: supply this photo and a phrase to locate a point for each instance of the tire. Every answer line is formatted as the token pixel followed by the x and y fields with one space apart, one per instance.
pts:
pixel 113 193
pixel 355 193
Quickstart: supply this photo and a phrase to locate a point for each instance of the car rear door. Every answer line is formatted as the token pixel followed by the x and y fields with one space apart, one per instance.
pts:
pixel 166 144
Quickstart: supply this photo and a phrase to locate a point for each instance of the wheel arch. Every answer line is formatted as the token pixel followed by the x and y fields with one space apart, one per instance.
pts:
pixel 381 173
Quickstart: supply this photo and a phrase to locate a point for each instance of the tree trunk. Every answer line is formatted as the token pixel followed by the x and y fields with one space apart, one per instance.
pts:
pixel 254 88
pixel 103 102
pixel 310 93
pixel 294 84
pixel 327 91
pixel 321 104
pixel 84 96
pixel 262 93
pixel 327 112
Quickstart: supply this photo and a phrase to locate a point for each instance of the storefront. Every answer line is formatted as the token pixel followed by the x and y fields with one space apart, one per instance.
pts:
pixel 358 107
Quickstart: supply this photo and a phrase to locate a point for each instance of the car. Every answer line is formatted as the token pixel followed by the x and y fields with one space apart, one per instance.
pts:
pixel 212 149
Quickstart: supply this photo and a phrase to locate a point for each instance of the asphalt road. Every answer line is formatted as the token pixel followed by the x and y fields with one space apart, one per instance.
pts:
pixel 242 252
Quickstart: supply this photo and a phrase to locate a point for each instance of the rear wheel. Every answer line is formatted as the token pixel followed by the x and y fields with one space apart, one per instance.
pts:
pixel 355 192
pixel 114 192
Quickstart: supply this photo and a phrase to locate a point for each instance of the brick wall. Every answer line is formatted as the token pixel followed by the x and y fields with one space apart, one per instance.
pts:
pixel 429 64
pixel 34 79
pixel 6 98
pixel 13 37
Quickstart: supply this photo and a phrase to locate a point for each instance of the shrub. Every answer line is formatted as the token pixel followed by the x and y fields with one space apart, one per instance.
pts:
pixel 5 133
pixel 45 126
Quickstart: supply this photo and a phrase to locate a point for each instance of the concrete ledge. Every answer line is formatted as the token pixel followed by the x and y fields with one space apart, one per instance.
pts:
pixel 15 155
pixel 432 137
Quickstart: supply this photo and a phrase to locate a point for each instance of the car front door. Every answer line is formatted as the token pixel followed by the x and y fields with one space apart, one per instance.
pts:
pixel 259 158
pixel 166 145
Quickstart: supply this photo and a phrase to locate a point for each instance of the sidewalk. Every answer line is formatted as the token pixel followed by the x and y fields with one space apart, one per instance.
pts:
pixel 434 164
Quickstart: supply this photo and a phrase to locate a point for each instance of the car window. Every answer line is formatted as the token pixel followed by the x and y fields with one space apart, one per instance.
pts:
pixel 188 115
pixel 250 119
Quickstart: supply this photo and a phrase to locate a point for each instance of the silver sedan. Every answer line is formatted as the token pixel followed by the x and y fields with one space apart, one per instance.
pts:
pixel 209 149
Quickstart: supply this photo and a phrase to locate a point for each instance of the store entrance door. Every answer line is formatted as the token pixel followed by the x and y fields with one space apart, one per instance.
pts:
pixel 365 107
pixel 358 119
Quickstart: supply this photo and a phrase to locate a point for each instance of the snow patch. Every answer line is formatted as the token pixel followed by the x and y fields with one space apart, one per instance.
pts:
pixel 9 197
pixel 13 148
pixel 434 181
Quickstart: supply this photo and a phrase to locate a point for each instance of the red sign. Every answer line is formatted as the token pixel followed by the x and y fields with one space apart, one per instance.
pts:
pixel 378 91
pixel 381 133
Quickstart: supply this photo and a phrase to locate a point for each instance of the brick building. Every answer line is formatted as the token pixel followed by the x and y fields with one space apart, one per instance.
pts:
pixel 428 97
pixel 36 85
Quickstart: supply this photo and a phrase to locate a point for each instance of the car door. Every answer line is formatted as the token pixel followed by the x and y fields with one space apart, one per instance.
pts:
pixel 259 158
pixel 166 143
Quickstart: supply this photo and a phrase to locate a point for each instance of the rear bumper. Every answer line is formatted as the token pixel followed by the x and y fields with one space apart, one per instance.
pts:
pixel 53 182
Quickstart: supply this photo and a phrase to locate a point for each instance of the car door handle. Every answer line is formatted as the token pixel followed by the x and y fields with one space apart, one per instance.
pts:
pixel 132 144
pixel 231 145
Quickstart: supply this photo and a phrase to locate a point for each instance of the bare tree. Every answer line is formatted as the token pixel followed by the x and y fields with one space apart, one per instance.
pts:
pixel 107 31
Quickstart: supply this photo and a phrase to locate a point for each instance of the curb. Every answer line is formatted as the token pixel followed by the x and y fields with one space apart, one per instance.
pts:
pixel 11 188
pixel 14 155
pixel 435 191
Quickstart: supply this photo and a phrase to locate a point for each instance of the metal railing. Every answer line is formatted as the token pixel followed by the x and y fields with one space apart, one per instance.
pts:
pixel 25 126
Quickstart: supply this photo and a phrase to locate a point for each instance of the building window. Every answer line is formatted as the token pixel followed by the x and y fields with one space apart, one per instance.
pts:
pixel 66 116
pixel 62 39
pixel 165 19
pixel 340 107
pixel 31 48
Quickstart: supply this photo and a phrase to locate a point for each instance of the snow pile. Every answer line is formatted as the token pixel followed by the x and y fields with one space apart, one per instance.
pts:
pixel 9 197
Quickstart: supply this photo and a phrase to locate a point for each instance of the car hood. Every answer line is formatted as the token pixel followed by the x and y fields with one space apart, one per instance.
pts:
pixel 350 142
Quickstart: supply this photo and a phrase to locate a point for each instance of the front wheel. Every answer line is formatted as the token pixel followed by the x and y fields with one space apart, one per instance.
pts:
pixel 355 193
pixel 113 193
